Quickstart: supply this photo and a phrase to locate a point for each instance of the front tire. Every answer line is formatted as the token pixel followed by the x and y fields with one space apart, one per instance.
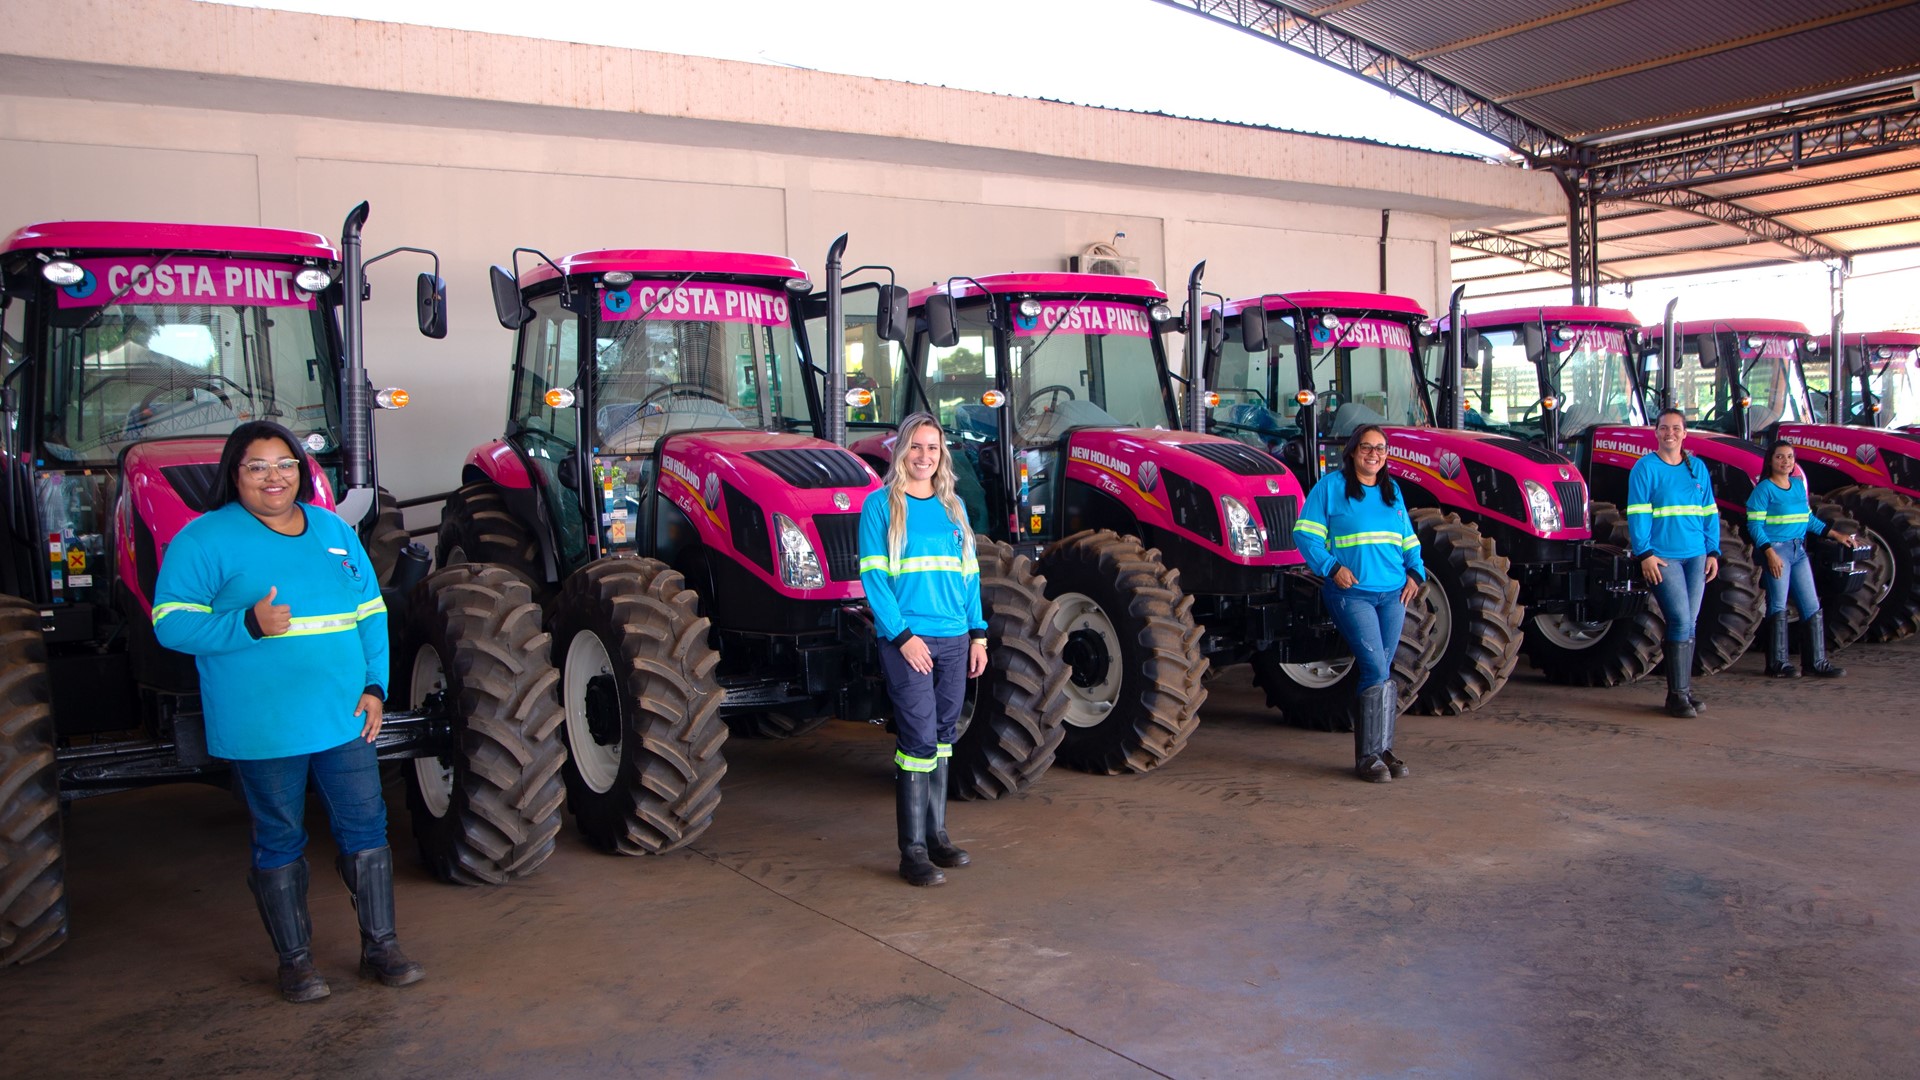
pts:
pixel 1732 609
pixel 1849 611
pixel 33 893
pixel 1020 706
pixel 385 536
pixel 487 811
pixel 1612 652
pixel 1477 614
pixel 1324 695
pixel 1134 692
pixel 642 706
pixel 476 526
pixel 1892 521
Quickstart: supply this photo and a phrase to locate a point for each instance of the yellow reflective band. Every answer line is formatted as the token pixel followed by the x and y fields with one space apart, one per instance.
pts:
pixel 161 611
pixel 1311 528
pixel 1639 508
pixel 1358 539
pixel 913 764
pixel 1759 516
pixel 311 625
pixel 874 562
pixel 1685 511
pixel 1786 519
pixel 1410 543
pixel 943 750
pixel 371 608
pixel 926 564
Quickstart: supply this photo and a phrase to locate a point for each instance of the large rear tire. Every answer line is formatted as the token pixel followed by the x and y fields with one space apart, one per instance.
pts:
pixel 488 811
pixel 1849 611
pixel 385 536
pixel 1134 693
pixel 642 706
pixel 1611 652
pixel 476 526
pixel 1477 614
pixel 1732 608
pixel 1892 521
pixel 33 893
pixel 1325 695
pixel 1020 707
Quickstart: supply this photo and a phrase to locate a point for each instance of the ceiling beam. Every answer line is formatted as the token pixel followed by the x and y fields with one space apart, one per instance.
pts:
pixel 1754 223
pixel 1291 26
pixel 1632 170
pixel 1424 55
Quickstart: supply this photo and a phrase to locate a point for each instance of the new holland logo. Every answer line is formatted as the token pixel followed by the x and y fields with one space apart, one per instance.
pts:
pixel 840 500
pixel 1564 474
pixel 1866 452
pixel 710 491
pixel 1449 464
pixel 1149 476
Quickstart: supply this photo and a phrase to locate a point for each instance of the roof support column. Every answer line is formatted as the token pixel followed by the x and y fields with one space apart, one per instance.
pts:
pixel 1583 235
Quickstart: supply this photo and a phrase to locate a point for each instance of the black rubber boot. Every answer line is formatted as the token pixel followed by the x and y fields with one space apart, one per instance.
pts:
pixel 1390 720
pixel 1370 735
pixel 1680 701
pixel 1779 656
pixel 281 894
pixel 910 814
pixel 1813 651
pixel 369 878
pixel 939 848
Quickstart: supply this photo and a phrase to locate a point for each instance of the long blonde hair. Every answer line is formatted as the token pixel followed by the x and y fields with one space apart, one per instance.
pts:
pixel 942 488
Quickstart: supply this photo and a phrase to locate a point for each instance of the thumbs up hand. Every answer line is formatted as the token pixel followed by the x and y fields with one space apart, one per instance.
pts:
pixel 274 619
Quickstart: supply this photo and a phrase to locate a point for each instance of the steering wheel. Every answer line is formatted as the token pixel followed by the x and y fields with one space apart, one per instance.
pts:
pixel 681 389
pixel 1056 389
pixel 206 383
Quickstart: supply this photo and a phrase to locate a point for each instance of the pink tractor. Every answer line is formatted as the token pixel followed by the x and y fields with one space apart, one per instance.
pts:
pixel 1746 378
pixel 665 486
pixel 133 348
pixel 1165 552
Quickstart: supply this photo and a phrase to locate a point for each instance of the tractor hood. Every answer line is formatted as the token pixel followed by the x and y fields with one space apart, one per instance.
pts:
pixel 1502 477
pixel 1177 480
pixel 731 485
pixel 1875 457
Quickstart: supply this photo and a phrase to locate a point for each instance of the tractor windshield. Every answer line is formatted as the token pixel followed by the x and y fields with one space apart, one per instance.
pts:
pixel 704 355
pixel 1895 384
pixel 1362 372
pixel 1588 369
pixel 1715 370
pixel 131 372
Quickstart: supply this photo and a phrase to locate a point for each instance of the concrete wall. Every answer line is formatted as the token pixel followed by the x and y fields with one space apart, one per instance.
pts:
pixel 472 144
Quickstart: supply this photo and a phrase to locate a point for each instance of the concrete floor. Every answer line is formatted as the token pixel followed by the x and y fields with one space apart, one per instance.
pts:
pixel 1570 885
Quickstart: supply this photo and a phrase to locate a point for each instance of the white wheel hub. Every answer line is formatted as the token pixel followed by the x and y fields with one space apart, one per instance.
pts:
pixel 598 764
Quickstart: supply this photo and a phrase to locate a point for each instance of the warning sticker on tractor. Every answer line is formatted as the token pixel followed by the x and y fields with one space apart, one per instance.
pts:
pixel 76 560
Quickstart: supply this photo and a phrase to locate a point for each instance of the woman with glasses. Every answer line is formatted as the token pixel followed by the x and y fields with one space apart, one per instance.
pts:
pixel 1355 533
pixel 278 604
pixel 1673 529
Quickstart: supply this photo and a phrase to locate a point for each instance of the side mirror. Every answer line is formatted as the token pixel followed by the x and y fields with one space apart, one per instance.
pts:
pixel 507 306
pixel 1480 350
pixel 430 292
pixel 890 314
pixel 1216 334
pixel 942 333
pixel 1253 329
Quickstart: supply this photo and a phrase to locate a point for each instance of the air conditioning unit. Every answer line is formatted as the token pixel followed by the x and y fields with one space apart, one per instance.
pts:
pixel 1102 259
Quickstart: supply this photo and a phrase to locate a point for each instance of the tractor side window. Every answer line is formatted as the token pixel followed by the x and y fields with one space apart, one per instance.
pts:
pixel 873 363
pixel 1503 386
pixel 1065 379
pixel 549 360
pixel 957 375
pixel 1257 389
pixel 1588 370
pixel 13 330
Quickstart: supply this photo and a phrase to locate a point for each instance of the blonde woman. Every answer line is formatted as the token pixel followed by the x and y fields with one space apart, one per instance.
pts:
pixel 923 586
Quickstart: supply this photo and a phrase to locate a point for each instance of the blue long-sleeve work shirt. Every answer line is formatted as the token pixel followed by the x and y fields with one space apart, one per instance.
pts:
pixel 1670 509
pixel 1373 540
pixel 292 693
pixel 934 588
pixel 1776 515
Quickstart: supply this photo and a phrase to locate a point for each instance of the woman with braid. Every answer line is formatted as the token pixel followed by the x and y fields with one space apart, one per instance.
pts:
pixel 923 586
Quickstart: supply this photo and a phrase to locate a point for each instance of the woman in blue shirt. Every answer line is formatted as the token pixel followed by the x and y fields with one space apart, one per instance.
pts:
pixel 1780 519
pixel 278 604
pixel 1355 533
pixel 922 581
pixel 1673 529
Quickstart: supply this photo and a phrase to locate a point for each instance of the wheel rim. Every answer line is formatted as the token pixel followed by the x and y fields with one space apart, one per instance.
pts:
pixel 1318 674
pixel 1440 608
pixel 1882 557
pixel 592 742
pixel 454 556
pixel 1569 634
pixel 1093 652
pixel 434 775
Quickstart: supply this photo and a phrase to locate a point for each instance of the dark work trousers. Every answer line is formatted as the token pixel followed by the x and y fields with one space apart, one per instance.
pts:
pixel 926 708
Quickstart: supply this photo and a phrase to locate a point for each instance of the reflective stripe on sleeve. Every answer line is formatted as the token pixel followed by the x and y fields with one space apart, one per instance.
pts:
pixel 161 611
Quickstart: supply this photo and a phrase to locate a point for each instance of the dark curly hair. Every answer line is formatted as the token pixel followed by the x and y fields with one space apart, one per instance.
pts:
pixel 236 449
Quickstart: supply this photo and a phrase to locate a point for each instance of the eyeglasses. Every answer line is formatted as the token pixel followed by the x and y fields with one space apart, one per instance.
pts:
pixel 1371 448
pixel 259 469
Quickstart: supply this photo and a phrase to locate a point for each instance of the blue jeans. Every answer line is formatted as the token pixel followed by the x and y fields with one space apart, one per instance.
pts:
pixel 1795 580
pixel 1682 583
pixel 348 779
pixel 926 708
pixel 1371 623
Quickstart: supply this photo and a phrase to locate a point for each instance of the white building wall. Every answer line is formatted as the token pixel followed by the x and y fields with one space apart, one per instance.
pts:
pixel 472 144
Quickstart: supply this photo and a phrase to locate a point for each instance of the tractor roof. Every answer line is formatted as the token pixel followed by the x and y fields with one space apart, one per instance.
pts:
pixel 1336 301
pixel 667 264
pixel 1729 326
pixel 79 237
pixel 1565 313
pixel 1875 337
pixel 1103 285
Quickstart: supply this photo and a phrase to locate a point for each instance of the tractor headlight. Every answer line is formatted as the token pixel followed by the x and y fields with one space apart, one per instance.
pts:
pixel 1243 537
pixel 799 564
pixel 313 279
pixel 1541 507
